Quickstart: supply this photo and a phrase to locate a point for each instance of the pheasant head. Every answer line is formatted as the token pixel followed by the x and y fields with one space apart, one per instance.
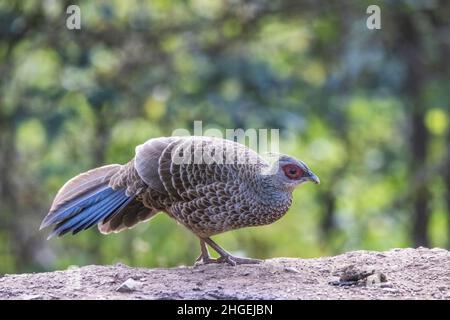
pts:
pixel 287 173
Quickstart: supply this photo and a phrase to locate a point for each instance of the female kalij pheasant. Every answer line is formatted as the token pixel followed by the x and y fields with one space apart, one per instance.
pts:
pixel 209 185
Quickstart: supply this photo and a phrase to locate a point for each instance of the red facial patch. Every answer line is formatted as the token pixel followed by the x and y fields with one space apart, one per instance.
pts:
pixel 292 171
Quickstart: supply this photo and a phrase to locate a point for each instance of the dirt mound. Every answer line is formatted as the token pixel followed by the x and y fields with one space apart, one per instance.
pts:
pixel 396 274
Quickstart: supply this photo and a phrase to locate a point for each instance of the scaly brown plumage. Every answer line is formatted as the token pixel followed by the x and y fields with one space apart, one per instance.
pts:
pixel 209 185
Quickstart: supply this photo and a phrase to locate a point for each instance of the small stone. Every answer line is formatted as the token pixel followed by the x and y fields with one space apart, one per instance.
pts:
pixel 372 280
pixel 437 295
pixel 391 290
pixel 129 285
pixel 120 265
pixel 291 270
pixel 376 278
pixel 32 297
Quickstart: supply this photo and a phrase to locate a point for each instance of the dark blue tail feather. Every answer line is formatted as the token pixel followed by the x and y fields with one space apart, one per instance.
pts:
pixel 83 213
pixel 115 211
pixel 92 213
pixel 104 211
pixel 74 207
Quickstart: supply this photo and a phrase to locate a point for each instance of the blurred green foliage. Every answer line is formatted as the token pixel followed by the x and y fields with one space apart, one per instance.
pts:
pixel 368 110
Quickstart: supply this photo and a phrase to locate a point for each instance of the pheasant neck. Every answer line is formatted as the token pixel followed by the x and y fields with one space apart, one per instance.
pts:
pixel 272 193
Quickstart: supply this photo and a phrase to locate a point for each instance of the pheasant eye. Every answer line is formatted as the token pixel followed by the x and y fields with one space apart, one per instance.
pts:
pixel 292 171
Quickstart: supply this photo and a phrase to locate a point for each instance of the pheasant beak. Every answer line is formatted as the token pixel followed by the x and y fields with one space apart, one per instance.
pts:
pixel 312 177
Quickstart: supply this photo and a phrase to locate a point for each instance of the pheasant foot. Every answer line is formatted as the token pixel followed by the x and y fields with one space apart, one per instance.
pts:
pixel 204 257
pixel 225 257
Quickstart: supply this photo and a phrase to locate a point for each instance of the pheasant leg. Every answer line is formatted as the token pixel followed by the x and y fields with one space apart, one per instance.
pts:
pixel 227 257
pixel 204 257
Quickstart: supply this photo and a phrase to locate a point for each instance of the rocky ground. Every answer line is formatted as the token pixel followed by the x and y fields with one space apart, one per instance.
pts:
pixel 396 274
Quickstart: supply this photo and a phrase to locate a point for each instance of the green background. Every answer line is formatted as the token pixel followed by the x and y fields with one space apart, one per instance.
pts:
pixel 368 110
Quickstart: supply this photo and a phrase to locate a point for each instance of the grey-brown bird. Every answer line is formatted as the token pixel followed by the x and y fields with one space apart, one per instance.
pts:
pixel 209 185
